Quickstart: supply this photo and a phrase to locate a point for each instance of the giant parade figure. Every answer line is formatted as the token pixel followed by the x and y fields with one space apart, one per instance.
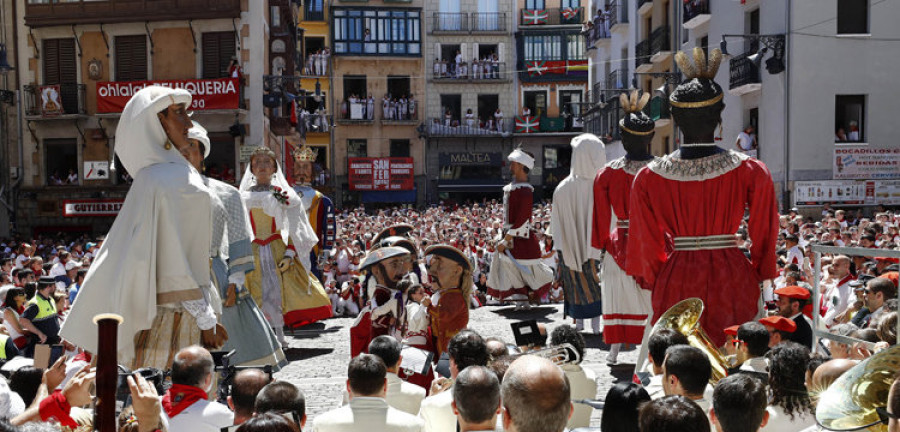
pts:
pixel 571 226
pixel 698 196
pixel 517 271
pixel 448 307
pixel 318 206
pixel 385 309
pixel 626 303
pixel 281 283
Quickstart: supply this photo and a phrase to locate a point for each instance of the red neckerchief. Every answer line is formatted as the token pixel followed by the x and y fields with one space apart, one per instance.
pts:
pixel 822 308
pixel 181 396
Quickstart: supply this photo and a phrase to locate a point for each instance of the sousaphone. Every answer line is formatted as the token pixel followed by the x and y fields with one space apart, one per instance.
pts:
pixel 684 318
pixel 854 400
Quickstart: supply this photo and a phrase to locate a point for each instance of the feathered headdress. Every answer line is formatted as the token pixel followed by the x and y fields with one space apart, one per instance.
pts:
pixel 635 122
pixel 699 75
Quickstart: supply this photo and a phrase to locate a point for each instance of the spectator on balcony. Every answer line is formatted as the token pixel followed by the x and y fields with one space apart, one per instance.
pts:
pixel 412 107
pixel 460 65
pixel 367 36
pixel 370 107
pixel 495 65
pixel 72 179
pixel 436 70
pixel 386 107
pixel 854 131
pixel 55 179
pixel 498 118
pixel 526 112
pixel 470 118
pixel 746 141
pixel 311 63
pixel 840 135
pixel 476 68
pixel 444 70
pixel 404 108
pixel 234 69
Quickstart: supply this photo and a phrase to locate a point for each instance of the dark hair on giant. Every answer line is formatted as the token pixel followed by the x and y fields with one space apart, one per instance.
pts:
pixel 661 341
pixel 739 402
pixel 788 362
pixel 691 366
pixel 387 348
pixel 366 374
pixel 622 404
pixel 467 348
pixel 280 397
pixel 672 414
pixel 755 336
pixel 477 394
pixel 268 422
pixel 697 120
pixel 567 334
pixel 638 122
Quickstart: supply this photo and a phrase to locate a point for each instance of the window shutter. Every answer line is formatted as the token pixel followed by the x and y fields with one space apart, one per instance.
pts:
pixel 59 61
pixel 218 48
pixel 131 58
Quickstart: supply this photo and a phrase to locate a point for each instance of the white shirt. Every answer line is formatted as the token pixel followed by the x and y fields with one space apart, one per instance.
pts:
pixel 437 412
pixel 366 414
pixel 583 385
pixel 401 395
pixel 795 255
pixel 202 416
pixel 655 388
pixel 756 364
pixel 779 421
pixel 745 141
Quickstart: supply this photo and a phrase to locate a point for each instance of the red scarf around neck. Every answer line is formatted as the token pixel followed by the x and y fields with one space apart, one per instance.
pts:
pixel 181 396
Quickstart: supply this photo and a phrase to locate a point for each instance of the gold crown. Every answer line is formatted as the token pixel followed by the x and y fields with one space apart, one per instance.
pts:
pixel 305 154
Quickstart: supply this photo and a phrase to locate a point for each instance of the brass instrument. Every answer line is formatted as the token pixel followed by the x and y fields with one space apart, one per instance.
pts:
pixel 559 354
pixel 853 400
pixel 684 318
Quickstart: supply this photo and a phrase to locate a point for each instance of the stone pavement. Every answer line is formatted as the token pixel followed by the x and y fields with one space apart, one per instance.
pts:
pixel 319 353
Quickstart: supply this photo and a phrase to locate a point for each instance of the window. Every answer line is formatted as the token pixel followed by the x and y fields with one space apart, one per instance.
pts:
pixel 315 10
pixel 451 104
pixel 131 58
pixel 543 47
pixel 60 158
pixel 377 32
pixel 487 105
pixel 60 68
pixel 574 4
pixel 853 16
pixel 398 86
pixel 575 47
pixel 536 101
pixel 850 118
pixel 356 148
pixel 534 4
pixel 218 49
pixel 400 148
pixel 753 28
pixel 355 94
pixel 704 44
pixel 570 100
pixel 355 85
pixel 275 16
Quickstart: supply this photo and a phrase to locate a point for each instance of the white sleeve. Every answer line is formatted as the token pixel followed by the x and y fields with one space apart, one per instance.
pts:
pixel 202 312
pixel 237 278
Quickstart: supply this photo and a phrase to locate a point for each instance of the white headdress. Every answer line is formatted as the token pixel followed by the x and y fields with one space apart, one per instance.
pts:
pixel 521 157
pixel 290 215
pixel 198 133
pixel 136 129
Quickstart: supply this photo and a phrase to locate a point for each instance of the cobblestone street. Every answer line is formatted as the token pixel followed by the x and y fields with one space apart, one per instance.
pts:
pixel 319 354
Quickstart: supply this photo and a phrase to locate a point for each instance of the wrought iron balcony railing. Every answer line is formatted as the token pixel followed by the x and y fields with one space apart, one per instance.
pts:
pixel 488 22
pixel 450 22
pixel 742 71
pixel 618 12
pixel 642 53
pixel 694 8
pixel 469 71
pixel 467 127
pixel 660 40
pixel 49 101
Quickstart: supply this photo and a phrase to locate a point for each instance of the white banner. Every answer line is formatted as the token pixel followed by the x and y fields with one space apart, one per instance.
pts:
pixel 864 163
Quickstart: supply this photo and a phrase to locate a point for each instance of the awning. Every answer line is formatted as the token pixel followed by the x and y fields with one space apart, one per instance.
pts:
pixel 406 196
pixel 470 186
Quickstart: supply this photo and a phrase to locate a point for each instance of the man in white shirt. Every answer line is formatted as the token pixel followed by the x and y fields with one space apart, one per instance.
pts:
pixel 466 349
pixel 739 404
pixel 476 399
pixel 746 140
pixel 752 345
pixel 583 382
pixel 186 401
pixel 368 411
pixel 686 372
pixel 58 271
pixel 657 345
pixel 837 297
pixel 794 253
pixel 400 394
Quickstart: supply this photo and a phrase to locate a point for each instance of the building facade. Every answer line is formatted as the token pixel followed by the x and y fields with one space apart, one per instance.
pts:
pixel 471 96
pixel 378 91
pixel 552 77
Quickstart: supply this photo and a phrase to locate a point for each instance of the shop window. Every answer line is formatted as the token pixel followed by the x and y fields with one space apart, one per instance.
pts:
pixel 61 161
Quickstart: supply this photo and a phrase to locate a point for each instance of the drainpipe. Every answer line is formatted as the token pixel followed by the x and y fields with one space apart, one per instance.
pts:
pixel 785 188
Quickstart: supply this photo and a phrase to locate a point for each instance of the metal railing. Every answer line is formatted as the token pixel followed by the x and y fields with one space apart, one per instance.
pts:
pixel 742 71
pixel 470 71
pixel 309 15
pixel 400 112
pixel 617 79
pixel 450 22
pixel 358 111
pixel 68 101
pixel 618 12
pixel 693 8
pixel 551 16
pixel 488 22
pixel 660 40
pixel 642 53
pixel 316 65
pixel 315 123
pixel 467 127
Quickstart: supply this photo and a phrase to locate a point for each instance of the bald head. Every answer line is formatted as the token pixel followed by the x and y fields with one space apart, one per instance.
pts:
pixel 192 366
pixel 529 376
pixel 246 385
pixel 828 372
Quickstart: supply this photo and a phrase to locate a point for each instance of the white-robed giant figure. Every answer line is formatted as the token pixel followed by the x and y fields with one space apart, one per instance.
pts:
pixel 153 268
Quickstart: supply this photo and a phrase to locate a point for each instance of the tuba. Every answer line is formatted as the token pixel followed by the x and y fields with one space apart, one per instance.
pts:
pixel 856 399
pixel 559 354
pixel 684 318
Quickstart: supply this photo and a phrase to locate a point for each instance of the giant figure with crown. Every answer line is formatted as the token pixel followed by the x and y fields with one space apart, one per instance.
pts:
pixel 318 206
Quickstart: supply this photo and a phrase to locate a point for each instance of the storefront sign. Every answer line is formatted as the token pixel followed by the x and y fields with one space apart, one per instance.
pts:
pixel 864 163
pixel 100 207
pixel 207 94
pixel 381 174
pixel 847 192
pixel 470 159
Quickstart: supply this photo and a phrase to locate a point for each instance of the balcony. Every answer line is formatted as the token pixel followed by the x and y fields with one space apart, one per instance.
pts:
pixel 596 31
pixel 357 113
pixel 642 56
pixel 617 79
pixel 743 75
pixel 315 123
pixel 551 17
pixel 316 65
pixel 451 128
pixel 447 22
pixel 660 44
pixel 696 13
pixel 43 13
pixel 488 22
pixel 399 114
pixel 644 6
pixel 65 103
pixel 480 72
pixel 309 15
pixel 618 14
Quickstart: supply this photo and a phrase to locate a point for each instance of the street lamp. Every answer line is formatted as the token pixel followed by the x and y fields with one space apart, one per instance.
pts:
pixel 671 79
pixel 774 42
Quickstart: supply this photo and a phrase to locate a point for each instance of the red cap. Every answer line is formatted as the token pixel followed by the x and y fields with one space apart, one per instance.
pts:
pixel 779 323
pixel 732 330
pixel 886 259
pixel 793 291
